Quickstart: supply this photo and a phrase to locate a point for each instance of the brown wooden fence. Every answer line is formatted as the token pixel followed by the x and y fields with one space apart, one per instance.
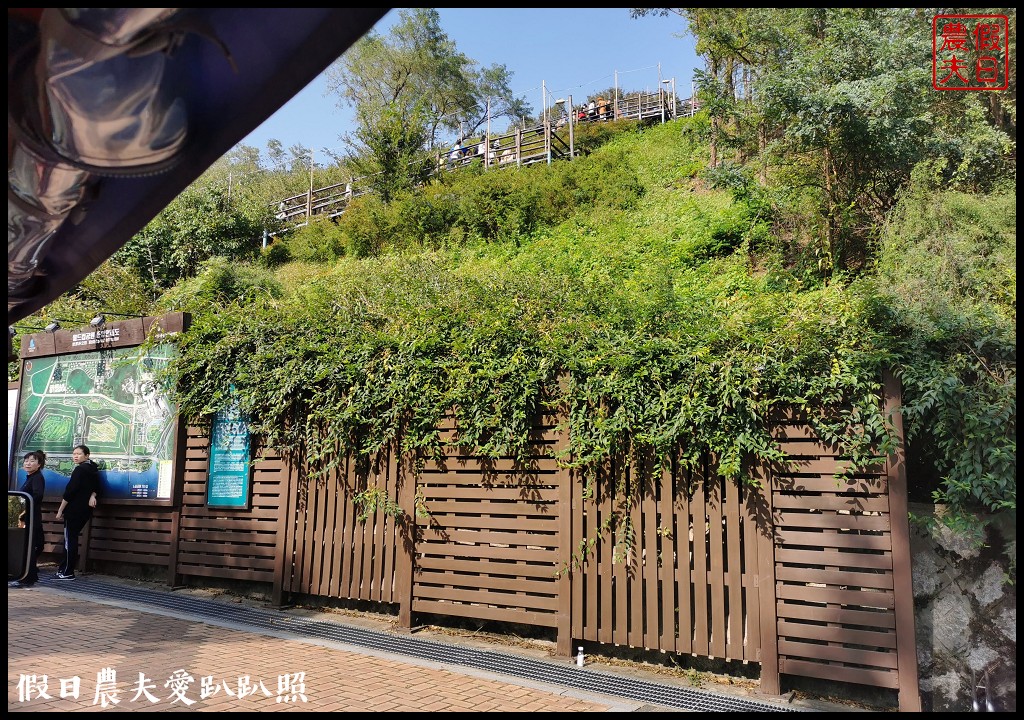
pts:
pixel 490 538
pixel 808 575
pixel 681 576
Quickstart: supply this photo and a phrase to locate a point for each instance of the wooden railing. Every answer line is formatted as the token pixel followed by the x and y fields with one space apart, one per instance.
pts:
pixel 547 142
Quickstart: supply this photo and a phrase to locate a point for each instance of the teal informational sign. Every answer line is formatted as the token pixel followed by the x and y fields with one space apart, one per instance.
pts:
pixel 229 484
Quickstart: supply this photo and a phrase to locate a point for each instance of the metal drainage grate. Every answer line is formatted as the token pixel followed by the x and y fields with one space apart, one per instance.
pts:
pixel 565 675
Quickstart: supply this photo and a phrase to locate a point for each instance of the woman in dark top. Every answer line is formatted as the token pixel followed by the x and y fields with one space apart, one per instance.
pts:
pixel 34 485
pixel 76 507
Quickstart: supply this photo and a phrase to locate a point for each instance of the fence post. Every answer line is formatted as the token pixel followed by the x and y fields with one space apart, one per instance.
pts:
pixel 766 590
pixel 899 525
pixel 572 126
pixel 285 524
pixel 563 643
pixel 405 553
pixel 177 499
pixel 547 139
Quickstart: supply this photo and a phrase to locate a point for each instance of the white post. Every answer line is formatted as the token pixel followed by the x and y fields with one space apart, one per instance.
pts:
pixel 543 101
pixel 615 106
pixel 661 95
pixel 693 98
pixel 309 199
pixel 487 150
pixel 572 121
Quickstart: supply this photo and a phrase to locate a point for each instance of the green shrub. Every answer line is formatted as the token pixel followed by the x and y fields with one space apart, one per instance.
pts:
pixel 275 254
pixel 321 240
pixel 365 226
pixel 221 280
pixel 947 277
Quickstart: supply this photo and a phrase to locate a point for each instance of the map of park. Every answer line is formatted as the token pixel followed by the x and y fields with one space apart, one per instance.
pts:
pixel 109 400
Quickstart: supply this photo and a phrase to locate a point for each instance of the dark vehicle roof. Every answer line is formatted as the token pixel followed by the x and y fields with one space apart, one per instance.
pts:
pixel 225 71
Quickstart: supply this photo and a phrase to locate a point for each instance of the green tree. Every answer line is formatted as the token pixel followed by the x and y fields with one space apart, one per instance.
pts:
pixel 388 149
pixel 199 224
pixel 417 71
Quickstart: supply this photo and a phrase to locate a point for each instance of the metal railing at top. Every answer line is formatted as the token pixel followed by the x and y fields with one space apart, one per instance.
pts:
pixel 542 143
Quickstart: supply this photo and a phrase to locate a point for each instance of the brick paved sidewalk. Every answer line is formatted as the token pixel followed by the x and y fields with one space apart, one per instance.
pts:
pixel 54 637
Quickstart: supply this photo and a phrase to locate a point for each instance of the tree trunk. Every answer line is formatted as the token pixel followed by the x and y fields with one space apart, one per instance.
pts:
pixel 762 146
pixel 826 256
pixel 716 122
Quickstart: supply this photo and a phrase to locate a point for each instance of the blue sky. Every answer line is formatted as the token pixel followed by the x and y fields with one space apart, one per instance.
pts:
pixel 571 51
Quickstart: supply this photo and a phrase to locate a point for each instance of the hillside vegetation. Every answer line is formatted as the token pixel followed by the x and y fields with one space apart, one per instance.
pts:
pixel 661 311
pixel 672 290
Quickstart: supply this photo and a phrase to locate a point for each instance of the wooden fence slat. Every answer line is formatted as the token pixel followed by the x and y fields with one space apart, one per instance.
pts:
pixel 859 598
pixel 485 567
pixel 476 465
pixel 716 566
pixel 347 530
pixel 213 561
pixel 564 636
pixel 817 631
pixel 507 538
pixel 682 518
pixel 666 577
pixel 790 538
pixel 700 580
pixel 854 560
pixel 543 494
pixel 486 597
pixel 604 568
pixel 547 586
pixel 785 501
pixel 648 609
pixel 824 465
pixel 548 524
pixel 734 640
pixel 634 569
pixel 390 537
pixel 247 575
pixel 874 619
pixel 787 520
pixel 405 535
pixel 330 524
pixel 592 598
pixel 547 556
pixel 880 580
pixel 484 612
pixel 484 506
pixel 322 535
pixel 766 586
pixel 835 653
pixel 827 483
pixel 751 601
pixel 240 550
pixel 876 678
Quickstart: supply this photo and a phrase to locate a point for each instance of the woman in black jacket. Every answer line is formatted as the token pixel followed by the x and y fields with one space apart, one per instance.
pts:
pixel 76 507
pixel 34 485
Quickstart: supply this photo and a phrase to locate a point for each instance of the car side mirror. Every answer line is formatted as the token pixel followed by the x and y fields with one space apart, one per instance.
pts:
pixel 20 526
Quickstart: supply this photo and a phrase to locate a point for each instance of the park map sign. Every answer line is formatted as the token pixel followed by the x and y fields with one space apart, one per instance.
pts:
pixel 107 397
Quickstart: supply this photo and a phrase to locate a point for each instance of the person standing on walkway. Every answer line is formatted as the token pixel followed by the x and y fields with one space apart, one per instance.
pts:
pixel 34 485
pixel 76 507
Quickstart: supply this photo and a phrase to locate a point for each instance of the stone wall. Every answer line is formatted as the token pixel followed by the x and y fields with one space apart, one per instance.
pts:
pixel 966 613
